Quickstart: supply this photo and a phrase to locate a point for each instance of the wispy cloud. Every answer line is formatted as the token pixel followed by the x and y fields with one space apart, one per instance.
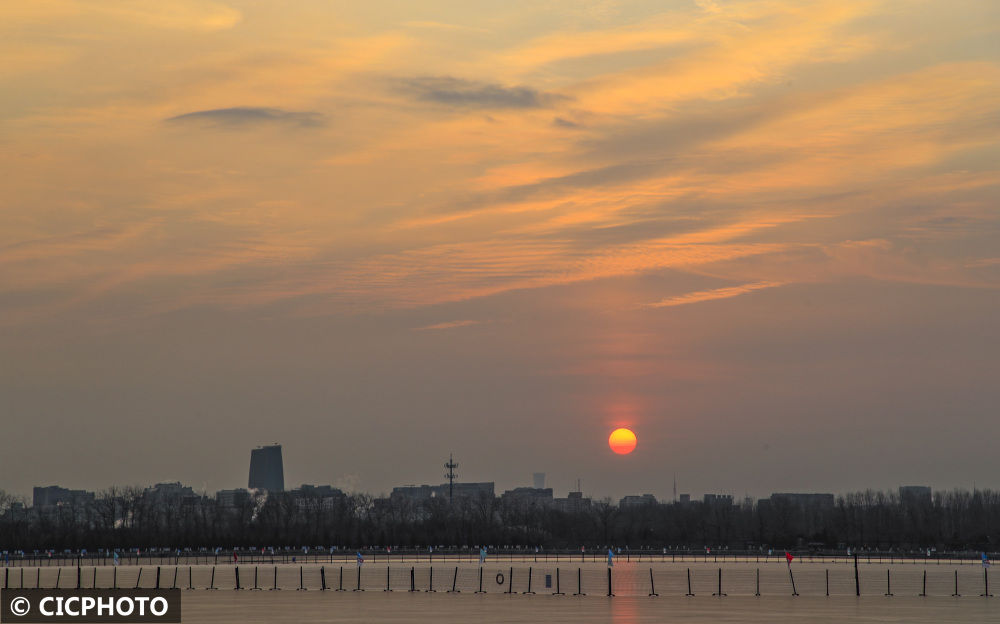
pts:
pixel 450 325
pixel 711 295
pixel 250 116
pixel 472 94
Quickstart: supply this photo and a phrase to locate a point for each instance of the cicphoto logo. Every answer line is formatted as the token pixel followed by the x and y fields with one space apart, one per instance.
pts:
pixel 91 605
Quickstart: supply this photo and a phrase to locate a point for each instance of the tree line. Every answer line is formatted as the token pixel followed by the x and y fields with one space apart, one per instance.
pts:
pixel 130 517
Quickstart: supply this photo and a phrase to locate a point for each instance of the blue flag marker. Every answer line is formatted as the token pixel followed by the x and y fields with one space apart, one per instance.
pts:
pixel 611 558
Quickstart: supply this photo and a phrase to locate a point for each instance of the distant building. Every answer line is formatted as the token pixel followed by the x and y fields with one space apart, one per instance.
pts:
pixel 528 496
pixel 266 470
pixel 573 503
pixel 317 496
pixel 170 492
pixel 53 495
pixel 914 494
pixel 413 493
pixel 421 493
pixel 684 499
pixel 539 480
pixel 232 498
pixel 718 500
pixel 631 502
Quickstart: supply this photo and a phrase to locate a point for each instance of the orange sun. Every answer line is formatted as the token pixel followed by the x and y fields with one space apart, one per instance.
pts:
pixel 622 441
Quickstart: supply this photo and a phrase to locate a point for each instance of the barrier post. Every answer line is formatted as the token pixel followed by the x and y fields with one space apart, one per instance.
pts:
pixel 157 578
pixel 138 579
pixel 211 585
pixel 610 593
pixel 510 581
pixel 529 582
pixel 340 585
pixel 78 577
pixel 652 587
pixel 690 593
pixel 828 582
pixel 719 594
pixel 190 578
pixel 986 584
pixel 454 582
pixel 888 583
pixel 430 581
pixel 757 593
pixel 857 579
pixel 956 584
pixel 59 573
pixel 923 592
pixel 480 590
pixel 579 583
pixel 322 578
pixel 413 584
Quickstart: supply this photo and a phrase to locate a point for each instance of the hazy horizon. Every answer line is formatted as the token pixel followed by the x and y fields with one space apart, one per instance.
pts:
pixel 763 234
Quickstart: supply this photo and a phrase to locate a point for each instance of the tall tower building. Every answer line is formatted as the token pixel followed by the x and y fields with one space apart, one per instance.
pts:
pixel 266 471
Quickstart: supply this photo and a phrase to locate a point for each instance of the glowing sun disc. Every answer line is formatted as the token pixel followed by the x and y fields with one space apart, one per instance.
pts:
pixel 622 441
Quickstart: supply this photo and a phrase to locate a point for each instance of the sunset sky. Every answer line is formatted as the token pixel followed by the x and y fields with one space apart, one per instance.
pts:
pixel 764 235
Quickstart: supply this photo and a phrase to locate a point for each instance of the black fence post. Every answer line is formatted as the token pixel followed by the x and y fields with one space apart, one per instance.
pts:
pixel 211 585
pixel 652 587
pixel 690 593
pixel 888 583
pixel 78 577
pixel 558 591
pixel 792 576
pixel 857 578
pixel 190 578
pixel 138 579
pixel 720 594
pixel 340 585
pixel 256 587
pixel 828 582
pixel 322 578
pixel 986 584
pixel 413 583
pixel 454 582
pixel 579 583
pixel 480 590
pixel 757 593
pixel 430 580
pixel 923 592
pixel 59 573
pixel 956 584
pixel 157 578
pixel 610 593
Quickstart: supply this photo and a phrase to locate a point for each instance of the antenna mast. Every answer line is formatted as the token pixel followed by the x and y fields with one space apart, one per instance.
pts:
pixel 450 475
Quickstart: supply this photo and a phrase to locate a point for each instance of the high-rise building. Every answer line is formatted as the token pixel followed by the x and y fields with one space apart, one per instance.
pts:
pixel 266 471
pixel 539 480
